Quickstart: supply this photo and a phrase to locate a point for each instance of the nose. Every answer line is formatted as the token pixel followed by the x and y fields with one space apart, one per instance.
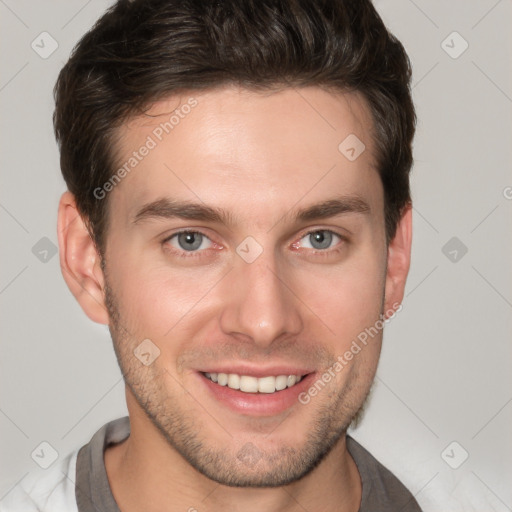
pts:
pixel 261 304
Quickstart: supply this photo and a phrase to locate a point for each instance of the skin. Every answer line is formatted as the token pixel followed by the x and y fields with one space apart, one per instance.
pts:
pixel 260 157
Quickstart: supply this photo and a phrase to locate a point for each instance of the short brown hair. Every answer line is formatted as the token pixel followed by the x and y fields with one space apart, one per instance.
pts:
pixel 141 51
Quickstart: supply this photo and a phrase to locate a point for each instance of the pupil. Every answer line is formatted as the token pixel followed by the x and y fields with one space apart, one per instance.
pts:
pixel 190 241
pixel 321 239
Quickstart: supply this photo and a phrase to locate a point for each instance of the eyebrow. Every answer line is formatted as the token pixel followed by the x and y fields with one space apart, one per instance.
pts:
pixel 167 208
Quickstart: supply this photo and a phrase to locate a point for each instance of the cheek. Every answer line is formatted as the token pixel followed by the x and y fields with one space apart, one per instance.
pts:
pixel 347 297
pixel 156 300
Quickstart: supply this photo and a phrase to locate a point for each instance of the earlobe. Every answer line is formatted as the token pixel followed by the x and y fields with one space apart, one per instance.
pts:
pixel 399 259
pixel 79 261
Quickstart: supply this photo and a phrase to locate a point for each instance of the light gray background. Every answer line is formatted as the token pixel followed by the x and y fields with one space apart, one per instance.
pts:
pixel 445 373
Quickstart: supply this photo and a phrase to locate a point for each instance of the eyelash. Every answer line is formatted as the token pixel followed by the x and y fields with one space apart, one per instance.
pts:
pixel 326 252
pixel 199 253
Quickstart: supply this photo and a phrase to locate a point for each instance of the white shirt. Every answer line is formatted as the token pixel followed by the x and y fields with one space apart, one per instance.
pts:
pixel 50 490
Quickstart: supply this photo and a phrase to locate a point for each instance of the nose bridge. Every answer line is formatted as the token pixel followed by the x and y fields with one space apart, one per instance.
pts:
pixel 261 306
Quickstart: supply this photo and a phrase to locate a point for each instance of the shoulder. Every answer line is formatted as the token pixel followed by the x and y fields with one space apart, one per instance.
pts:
pixel 382 490
pixel 50 490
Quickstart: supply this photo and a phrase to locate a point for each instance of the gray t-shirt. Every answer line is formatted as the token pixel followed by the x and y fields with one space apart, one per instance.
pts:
pixel 382 491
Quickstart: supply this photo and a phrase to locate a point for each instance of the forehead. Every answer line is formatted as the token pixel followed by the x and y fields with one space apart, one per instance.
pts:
pixel 239 147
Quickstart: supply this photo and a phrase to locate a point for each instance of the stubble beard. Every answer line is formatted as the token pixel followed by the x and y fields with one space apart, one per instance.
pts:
pixel 235 466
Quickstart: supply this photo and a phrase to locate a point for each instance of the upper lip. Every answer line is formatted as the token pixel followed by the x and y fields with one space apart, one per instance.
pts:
pixel 258 371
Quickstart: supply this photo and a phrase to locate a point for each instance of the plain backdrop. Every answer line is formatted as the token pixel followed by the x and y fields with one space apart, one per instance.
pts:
pixel 441 411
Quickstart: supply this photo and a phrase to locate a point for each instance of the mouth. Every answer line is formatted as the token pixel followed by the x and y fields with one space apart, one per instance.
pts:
pixel 250 384
pixel 264 393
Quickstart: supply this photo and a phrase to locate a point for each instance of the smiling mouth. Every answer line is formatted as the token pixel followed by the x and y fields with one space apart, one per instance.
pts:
pixel 250 384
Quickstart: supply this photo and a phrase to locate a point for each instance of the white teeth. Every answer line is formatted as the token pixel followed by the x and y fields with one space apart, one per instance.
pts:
pixel 234 381
pixel 249 384
pixel 281 382
pixel 267 385
pixel 222 379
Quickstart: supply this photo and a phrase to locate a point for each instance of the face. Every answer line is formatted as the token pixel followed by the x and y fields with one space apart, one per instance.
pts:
pixel 245 248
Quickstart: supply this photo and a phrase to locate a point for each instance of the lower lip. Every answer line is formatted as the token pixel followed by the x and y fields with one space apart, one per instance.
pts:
pixel 257 404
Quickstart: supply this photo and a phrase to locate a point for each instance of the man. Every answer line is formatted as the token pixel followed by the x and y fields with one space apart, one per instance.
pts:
pixel 238 213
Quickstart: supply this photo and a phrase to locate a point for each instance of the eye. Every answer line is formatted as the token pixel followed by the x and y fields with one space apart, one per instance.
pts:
pixel 320 239
pixel 190 241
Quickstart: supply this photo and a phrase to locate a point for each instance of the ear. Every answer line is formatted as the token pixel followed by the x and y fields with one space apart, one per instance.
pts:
pixel 399 259
pixel 79 260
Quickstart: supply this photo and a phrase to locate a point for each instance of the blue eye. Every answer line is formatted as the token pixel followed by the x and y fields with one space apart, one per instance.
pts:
pixel 189 241
pixel 320 239
pixel 194 243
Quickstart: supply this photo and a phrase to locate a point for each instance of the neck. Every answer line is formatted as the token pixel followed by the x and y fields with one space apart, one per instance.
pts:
pixel 146 473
